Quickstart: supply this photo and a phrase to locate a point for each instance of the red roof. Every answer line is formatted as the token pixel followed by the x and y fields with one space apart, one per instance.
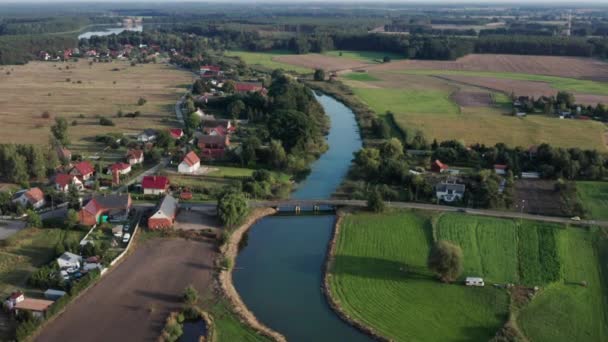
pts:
pixel 500 166
pixel 213 68
pixel 155 182
pixel 84 168
pixel 247 87
pixel 63 179
pixel 219 130
pixel 34 195
pixel 120 166
pixel 439 164
pixel 176 133
pixel 191 158
pixel 136 154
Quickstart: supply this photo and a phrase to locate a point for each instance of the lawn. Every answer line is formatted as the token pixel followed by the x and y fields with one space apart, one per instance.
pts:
pixel 364 56
pixel 361 77
pixel 27 250
pixel 228 327
pixel 83 92
pixel 559 83
pixel 380 278
pixel 404 101
pixel 265 59
pixel 594 197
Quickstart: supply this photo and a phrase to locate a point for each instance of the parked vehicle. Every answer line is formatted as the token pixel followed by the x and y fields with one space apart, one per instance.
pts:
pixel 126 237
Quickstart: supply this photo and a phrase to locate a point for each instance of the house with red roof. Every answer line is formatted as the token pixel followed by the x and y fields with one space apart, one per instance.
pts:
pixel 135 157
pixel 213 146
pixel 155 185
pixel 438 166
pixel 105 207
pixel 64 180
pixel 165 213
pixel 500 169
pixel 190 164
pixel 210 71
pixel 33 197
pixel 249 87
pixel 83 170
pixel 176 133
pixel 120 168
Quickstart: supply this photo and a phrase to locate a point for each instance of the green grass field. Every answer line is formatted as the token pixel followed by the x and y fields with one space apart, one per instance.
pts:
pixel 400 101
pixel 380 278
pixel 594 197
pixel 361 77
pixel 265 59
pixel 364 56
pixel 559 83
pixel 228 328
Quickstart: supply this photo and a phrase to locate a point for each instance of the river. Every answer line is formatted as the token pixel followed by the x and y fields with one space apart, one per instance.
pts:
pixel 280 271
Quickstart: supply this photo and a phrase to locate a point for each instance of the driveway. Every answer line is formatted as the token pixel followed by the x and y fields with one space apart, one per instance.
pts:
pixel 132 301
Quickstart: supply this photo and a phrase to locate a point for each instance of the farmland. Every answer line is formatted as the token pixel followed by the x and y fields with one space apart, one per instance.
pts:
pixel 594 197
pixel 83 92
pixel 268 60
pixel 380 268
pixel 372 57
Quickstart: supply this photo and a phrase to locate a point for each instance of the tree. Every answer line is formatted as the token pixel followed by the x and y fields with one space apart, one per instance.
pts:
pixel 386 59
pixel 73 197
pixel 445 260
pixel 193 121
pixel 235 108
pixel 37 161
pixel 189 107
pixel 232 208
pixel 391 149
pixel 277 156
pixel 71 219
pixel 319 75
pixel 380 128
pixel 228 87
pixel 33 219
pixel 60 130
pixel 375 202
pixel 18 169
pixel 190 295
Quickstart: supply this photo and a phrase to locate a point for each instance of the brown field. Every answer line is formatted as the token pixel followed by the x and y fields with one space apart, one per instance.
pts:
pixel 317 61
pixel 105 88
pixel 133 300
pixel 539 196
pixel 541 65
pixel 518 87
pixel 472 99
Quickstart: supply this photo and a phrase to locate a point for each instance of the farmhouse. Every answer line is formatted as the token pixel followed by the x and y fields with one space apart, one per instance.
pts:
pixel 83 170
pixel 147 135
pixel 69 260
pixel 33 197
pixel 164 217
pixel 210 71
pixel 190 164
pixel 120 168
pixel 104 207
pixel 213 146
pixel 247 87
pixel 438 166
pixel 64 180
pixel 37 307
pixel 449 191
pixel 135 157
pixel 500 169
pixel 155 185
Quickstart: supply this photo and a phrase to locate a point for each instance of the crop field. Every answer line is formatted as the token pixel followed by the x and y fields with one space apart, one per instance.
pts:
pixel 380 268
pixel 320 61
pixel 269 60
pixel 83 92
pixel 380 278
pixel 372 57
pixel 594 197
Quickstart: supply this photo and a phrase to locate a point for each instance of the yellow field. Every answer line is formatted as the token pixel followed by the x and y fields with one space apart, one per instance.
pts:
pixel 74 89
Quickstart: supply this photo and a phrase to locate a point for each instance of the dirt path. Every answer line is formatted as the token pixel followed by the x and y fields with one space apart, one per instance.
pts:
pixel 132 302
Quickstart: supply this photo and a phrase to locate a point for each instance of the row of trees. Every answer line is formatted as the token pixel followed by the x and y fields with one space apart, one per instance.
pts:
pixel 20 49
pixel 20 163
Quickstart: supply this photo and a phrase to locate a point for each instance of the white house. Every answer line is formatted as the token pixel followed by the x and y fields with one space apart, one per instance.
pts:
pixel 500 169
pixel 449 191
pixel 64 180
pixel 190 164
pixel 121 168
pixel 135 157
pixel 67 260
pixel 147 135
pixel 474 281
pixel 33 197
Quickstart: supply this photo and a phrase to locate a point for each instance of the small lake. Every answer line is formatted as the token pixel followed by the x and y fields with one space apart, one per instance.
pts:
pixel 193 330
pixel 107 30
pixel 280 271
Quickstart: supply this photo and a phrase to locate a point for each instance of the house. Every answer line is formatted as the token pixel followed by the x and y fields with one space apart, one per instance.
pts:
pixel 63 154
pixel 83 170
pixel 37 307
pixel 210 71
pixel 474 281
pixel 120 168
pixel 147 135
pixel 249 87
pixel 190 164
pixel 176 133
pixel 438 166
pixel 213 146
pixel 500 169
pixel 218 127
pixel 155 185
pixel 449 191
pixel 64 180
pixel 135 157
pixel 217 130
pixel 33 197
pixel 164 217
pixel 69 260
pixel 45 56
pixel 104 207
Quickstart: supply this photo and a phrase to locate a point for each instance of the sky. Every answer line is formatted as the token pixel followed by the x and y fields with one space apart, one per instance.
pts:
pixel 574 2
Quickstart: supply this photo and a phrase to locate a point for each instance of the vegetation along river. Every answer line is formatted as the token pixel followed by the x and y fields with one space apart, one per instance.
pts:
pixel 280 271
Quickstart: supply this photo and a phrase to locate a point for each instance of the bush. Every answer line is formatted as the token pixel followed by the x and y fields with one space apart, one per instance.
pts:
pixel 106 122
pixel 190 295
pixel 46 114
pixel 375 202
pixel 142 101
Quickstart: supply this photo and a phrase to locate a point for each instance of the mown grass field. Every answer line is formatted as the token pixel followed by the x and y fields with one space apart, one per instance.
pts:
pixel 265 59
pixel 380 277
pixel 26 251
pixel 364 56
pixel 228 327
pixel 400 101
pixel 83 92
pixel 361 77
pixel 594 197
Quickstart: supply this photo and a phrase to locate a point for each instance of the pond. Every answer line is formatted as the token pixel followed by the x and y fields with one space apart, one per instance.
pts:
pixel 106 30
pixel 193 330
pixel 280 271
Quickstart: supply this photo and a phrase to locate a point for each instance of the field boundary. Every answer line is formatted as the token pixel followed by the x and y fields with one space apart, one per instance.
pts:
pixel 230 252
pixel 331 301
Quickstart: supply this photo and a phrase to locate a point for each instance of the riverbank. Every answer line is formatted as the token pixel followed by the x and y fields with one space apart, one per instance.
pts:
pixel 229 253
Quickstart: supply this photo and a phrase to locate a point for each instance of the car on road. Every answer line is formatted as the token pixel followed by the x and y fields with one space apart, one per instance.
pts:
pixel 575 218
pixel 126 237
